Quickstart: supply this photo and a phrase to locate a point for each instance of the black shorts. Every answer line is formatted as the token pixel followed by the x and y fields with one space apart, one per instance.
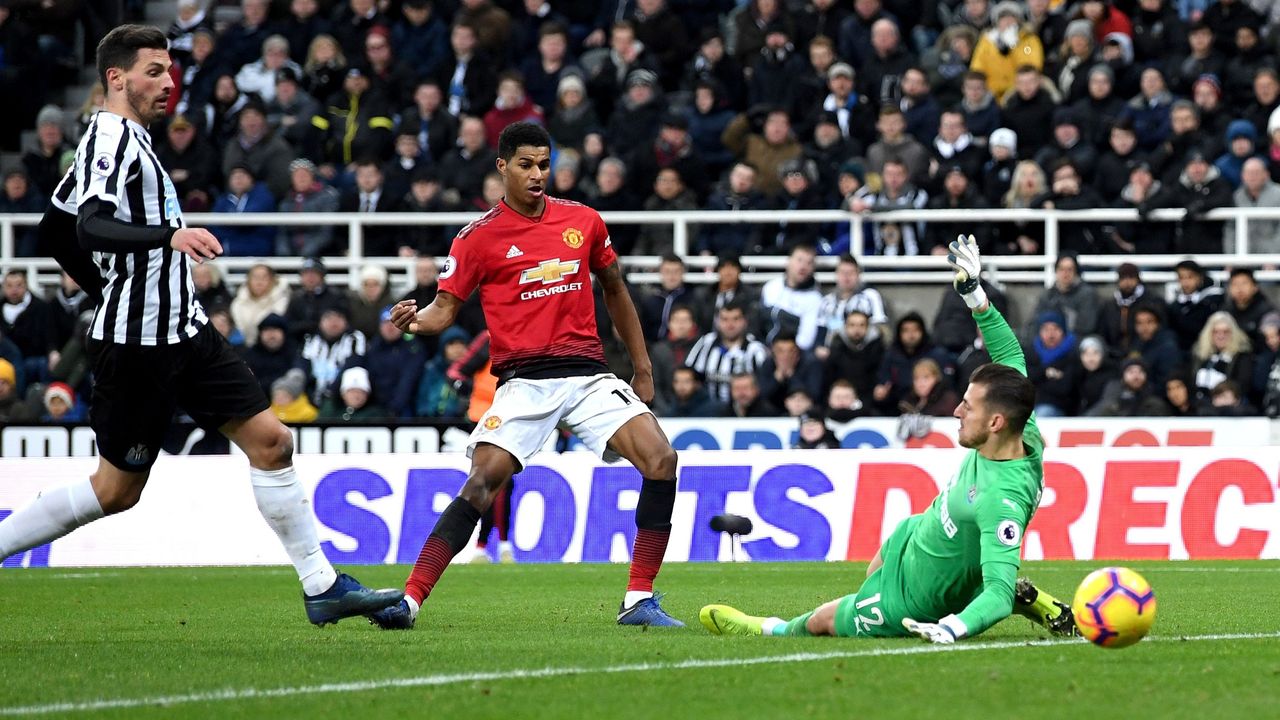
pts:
pixel 137 388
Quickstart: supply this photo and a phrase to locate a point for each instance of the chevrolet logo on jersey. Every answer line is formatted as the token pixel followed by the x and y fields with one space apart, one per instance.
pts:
pixel 549 271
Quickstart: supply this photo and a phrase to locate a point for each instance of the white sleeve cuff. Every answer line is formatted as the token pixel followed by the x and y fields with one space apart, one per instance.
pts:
pixel 955 625
pixel 975 299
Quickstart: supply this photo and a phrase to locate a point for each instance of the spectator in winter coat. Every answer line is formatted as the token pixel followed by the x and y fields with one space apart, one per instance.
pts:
pixel 306 195
pixel 1256 190
pixel 1006 47
pixel 911 343
pixel 1199 188
pixel 930 392
pixel 395 365
pixel 1098 371
pixel 1246 303
pixel 764 140
pixel 791 302
pixel 1057 379
pixel 1242 141
pixel 1157 346
pixel 1131 395
pixel 854 355
pixel 689 397
pixel 1222 352
pixel 1116 318
pixel 272 354
pixel 1195 299
pixel 245 195
pixel 263 293
pixel 1149 110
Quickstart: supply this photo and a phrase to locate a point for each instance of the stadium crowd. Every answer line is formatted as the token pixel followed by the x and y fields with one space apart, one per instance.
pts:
pixel 364 106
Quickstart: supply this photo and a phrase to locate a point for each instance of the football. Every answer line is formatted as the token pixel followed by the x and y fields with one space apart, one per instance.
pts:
pixel 1114 607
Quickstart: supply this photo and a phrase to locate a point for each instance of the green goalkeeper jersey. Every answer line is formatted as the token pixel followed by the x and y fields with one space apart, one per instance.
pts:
pixel 965 550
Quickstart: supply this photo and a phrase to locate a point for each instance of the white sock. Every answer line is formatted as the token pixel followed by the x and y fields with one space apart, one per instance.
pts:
pixel 287 510
pixel 51 515
pixel 413 606
pixel 634 596
pixel 769 624
pixel 505 547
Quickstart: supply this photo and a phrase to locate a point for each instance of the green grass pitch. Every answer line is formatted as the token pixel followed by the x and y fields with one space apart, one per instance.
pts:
pixel 540 642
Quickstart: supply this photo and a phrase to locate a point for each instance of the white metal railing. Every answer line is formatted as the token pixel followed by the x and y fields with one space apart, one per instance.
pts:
pixel 896 269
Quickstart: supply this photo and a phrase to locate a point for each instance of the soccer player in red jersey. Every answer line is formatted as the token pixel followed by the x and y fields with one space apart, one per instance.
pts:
pixel 531 257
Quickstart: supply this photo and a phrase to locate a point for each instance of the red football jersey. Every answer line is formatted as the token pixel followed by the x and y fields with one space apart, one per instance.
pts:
pixel 534 277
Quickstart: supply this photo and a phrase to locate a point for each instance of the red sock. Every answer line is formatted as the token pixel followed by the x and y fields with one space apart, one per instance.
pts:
pixel 432 561
pixel 646 558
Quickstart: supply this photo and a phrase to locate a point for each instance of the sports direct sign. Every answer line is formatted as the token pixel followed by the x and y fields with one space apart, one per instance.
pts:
pixel 1132 503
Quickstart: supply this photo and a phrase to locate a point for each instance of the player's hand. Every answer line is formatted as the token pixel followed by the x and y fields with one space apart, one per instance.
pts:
pixel 963 256
pixel 196 243
pixel 929 632
pixel 642 384
pixel 404 315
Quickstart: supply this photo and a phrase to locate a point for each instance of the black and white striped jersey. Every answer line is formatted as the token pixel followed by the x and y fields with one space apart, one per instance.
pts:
pixel 148 297
pixel 718 362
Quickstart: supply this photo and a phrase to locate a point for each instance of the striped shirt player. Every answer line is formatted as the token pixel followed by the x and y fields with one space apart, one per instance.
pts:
pixel 148 296
pixel 116 227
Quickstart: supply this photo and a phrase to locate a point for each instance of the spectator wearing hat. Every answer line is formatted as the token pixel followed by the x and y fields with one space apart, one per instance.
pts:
pixel 814 433
pixel 1068 144
pixel 573 116
pixel 911 343
pixel 1117 54
pixel 1200 188
pixel 1246 303
pixel 671 148
pixel 312 297
pixel 1028 111
pixel 776 69
pixel 610 83
pixel 710 115
pixel 635 118
pixel 425 195
pixel 390 76
pixel 1206 95
pixel 1097 370
pixel 1199 61
pixel 18 196
pixel 1265 101
pixel 1143 236
pixel 711 62
pixel 1058 374
pixel 881 73
pixel 1114 164
pixel 44 156
pixel 438 394
pixel 1131 395
pixel 263 293
pixel 434 128
pixel 548 61
pixel 1257 189
pixel 1007 46
pixel 289 399
pixel 60 404
pixel 12 407
pixel 947 63
pixel 1241 143
pixel 829 150
pixel 244 194
pixel 1116 318
pixel 356 124
pixel 327 351
pixel 1195 298
pixel 1078 53
pixel 259 77
pixel 998 170
pixel 306 195
pixel 854 114
pixel 301 25
pixel 394 365
pixel 365 303
pixel 420 37
pixel 955 191
pixel 1266 372
pixel 263 152
pixel 763 138
pixel 1223 352
pixel 1158 31
pixel 289 113
pixel 737 192
pixel 1149 110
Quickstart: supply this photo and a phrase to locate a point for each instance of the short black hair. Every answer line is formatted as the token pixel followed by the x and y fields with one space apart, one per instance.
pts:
pixel 733 306
pixel 672 258
pixel 521 134
pixel 119 49
pixel 1009 393
pixel 1247 272
pixel 848 259
pixel 692 371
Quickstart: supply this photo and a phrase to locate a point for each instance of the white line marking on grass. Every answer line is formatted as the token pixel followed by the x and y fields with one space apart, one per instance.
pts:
pixel 75 575
pixel 233 694
pixel 1164 569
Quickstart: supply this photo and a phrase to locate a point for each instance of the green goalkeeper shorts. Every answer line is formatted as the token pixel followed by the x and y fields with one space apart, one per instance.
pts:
pixel 877 609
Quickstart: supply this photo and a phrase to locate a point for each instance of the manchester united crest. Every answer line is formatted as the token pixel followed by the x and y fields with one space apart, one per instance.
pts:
pixel 493 422
pixel 573 238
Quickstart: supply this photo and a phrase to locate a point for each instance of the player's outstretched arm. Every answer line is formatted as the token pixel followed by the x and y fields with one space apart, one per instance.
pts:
pixel 430 320
pixel 623 312
pixel 998 337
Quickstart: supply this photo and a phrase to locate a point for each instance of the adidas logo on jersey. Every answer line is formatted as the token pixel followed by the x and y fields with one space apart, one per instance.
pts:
pixel 514 252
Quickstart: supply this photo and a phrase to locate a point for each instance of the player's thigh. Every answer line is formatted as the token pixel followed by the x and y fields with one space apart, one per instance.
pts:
pixel 602 407
pixel 523 415
pixel 215 386
pixel 132 401
pixel 867 613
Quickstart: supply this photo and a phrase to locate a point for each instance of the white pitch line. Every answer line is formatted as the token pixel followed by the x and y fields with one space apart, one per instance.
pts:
pixel 233 694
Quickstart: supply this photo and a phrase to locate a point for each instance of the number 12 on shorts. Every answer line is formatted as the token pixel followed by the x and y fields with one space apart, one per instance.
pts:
pixel 874 616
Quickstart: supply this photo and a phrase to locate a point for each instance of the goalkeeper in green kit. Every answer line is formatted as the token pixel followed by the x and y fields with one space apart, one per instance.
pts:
pixel 952 571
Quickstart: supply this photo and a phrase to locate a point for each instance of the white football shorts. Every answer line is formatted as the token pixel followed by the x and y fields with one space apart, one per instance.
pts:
pixel 526 412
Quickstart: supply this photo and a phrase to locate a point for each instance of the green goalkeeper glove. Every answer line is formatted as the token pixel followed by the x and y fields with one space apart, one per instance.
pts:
pixel 963 255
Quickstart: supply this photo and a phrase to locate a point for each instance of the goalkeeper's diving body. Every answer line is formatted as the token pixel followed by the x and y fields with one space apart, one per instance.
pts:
pixel 952 571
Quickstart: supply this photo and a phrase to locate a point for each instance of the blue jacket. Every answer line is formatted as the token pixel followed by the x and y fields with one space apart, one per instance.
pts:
pixel 247 240
pixel 1230 165
pixel 394 369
